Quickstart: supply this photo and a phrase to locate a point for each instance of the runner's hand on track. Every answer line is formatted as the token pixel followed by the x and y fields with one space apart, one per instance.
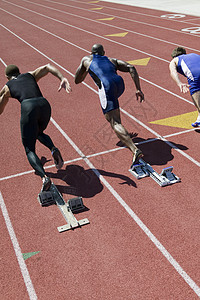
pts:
pixel 184 87
pixel 139 94
pixel 65 85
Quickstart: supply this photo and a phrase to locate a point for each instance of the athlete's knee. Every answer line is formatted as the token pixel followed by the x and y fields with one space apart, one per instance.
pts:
pixel 113 119
pixel 28 150
pixel 28 146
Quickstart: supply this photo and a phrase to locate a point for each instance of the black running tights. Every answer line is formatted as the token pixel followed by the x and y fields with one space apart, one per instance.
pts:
pixel 35 116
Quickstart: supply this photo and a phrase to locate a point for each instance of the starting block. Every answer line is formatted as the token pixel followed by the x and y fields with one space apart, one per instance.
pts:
pixel 143 169
pixel 169 175
pixel 76 204
pixel 46 198
pixel 53 196
pixel 139 171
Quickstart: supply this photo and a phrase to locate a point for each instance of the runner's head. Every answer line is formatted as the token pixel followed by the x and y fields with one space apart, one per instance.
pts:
pixel 178 51
pixel 11 70
pixel 97 49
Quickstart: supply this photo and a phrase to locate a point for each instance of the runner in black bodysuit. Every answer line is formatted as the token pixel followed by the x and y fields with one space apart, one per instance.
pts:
pixel 35 112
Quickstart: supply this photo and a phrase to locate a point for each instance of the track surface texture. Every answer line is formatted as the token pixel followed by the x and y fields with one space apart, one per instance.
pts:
pixel 142 242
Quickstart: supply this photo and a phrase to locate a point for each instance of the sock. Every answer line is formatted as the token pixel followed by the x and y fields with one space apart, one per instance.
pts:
pixel 198 118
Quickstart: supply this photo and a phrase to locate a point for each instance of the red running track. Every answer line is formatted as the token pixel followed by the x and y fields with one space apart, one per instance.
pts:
pixel 143 240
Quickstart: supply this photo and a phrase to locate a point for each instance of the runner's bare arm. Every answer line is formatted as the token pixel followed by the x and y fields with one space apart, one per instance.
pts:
pixel 4 97
pixel 126 67
pixel 184 87
pixel 82 70
pixel 44 70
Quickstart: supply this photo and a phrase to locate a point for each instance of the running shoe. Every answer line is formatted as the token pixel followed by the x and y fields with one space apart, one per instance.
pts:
pixel 137 155
pixel 58 160
pixel 196 124
pixel 46 184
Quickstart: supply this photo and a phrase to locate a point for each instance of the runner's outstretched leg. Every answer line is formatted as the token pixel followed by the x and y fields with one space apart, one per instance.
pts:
pixel 113 117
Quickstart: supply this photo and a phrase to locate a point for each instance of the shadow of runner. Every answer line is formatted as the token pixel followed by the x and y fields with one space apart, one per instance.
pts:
pixel 84 183
pixel 156 152
pixel 79 182
pixel 126 179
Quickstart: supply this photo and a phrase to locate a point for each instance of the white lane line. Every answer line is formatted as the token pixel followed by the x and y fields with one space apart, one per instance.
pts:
pixel 144 228
pixel 46 168
pixel 115 16
pixel 139 13
pixel 2 62
pixel 164 8
pixel 106 24
pixel 91 33
pixel 180 132
pixel 96 154
pixel 139 122
pixel 167 91
pixel 162 138
pixel 155 241
pixel 40 28
pixel 61 67
pixel 188 20
pixel 131 3
pixel 162 249
pixel 18 253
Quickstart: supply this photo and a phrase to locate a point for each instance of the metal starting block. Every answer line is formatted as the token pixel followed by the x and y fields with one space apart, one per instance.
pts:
pixel 53 196
pixel 143 169
pixel 76 204
pixel 46 198
pixel 167 173
pixel 139 171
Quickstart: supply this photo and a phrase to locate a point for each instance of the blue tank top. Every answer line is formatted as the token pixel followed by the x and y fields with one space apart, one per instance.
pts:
pixel 24 86
pixel 189 66
pixel 102 69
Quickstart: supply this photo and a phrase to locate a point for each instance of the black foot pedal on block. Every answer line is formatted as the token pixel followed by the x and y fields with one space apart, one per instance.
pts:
pixel 46 198
pixel 139 171
pixel 169 175
pixel 76 204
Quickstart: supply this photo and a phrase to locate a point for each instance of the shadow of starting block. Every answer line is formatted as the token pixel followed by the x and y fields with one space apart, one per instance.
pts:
pixel 143 169
pixel 53 196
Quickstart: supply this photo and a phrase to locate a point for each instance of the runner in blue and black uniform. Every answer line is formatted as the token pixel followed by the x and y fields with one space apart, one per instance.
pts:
pixel 35 113
pixel 103 70
pixel 187 65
